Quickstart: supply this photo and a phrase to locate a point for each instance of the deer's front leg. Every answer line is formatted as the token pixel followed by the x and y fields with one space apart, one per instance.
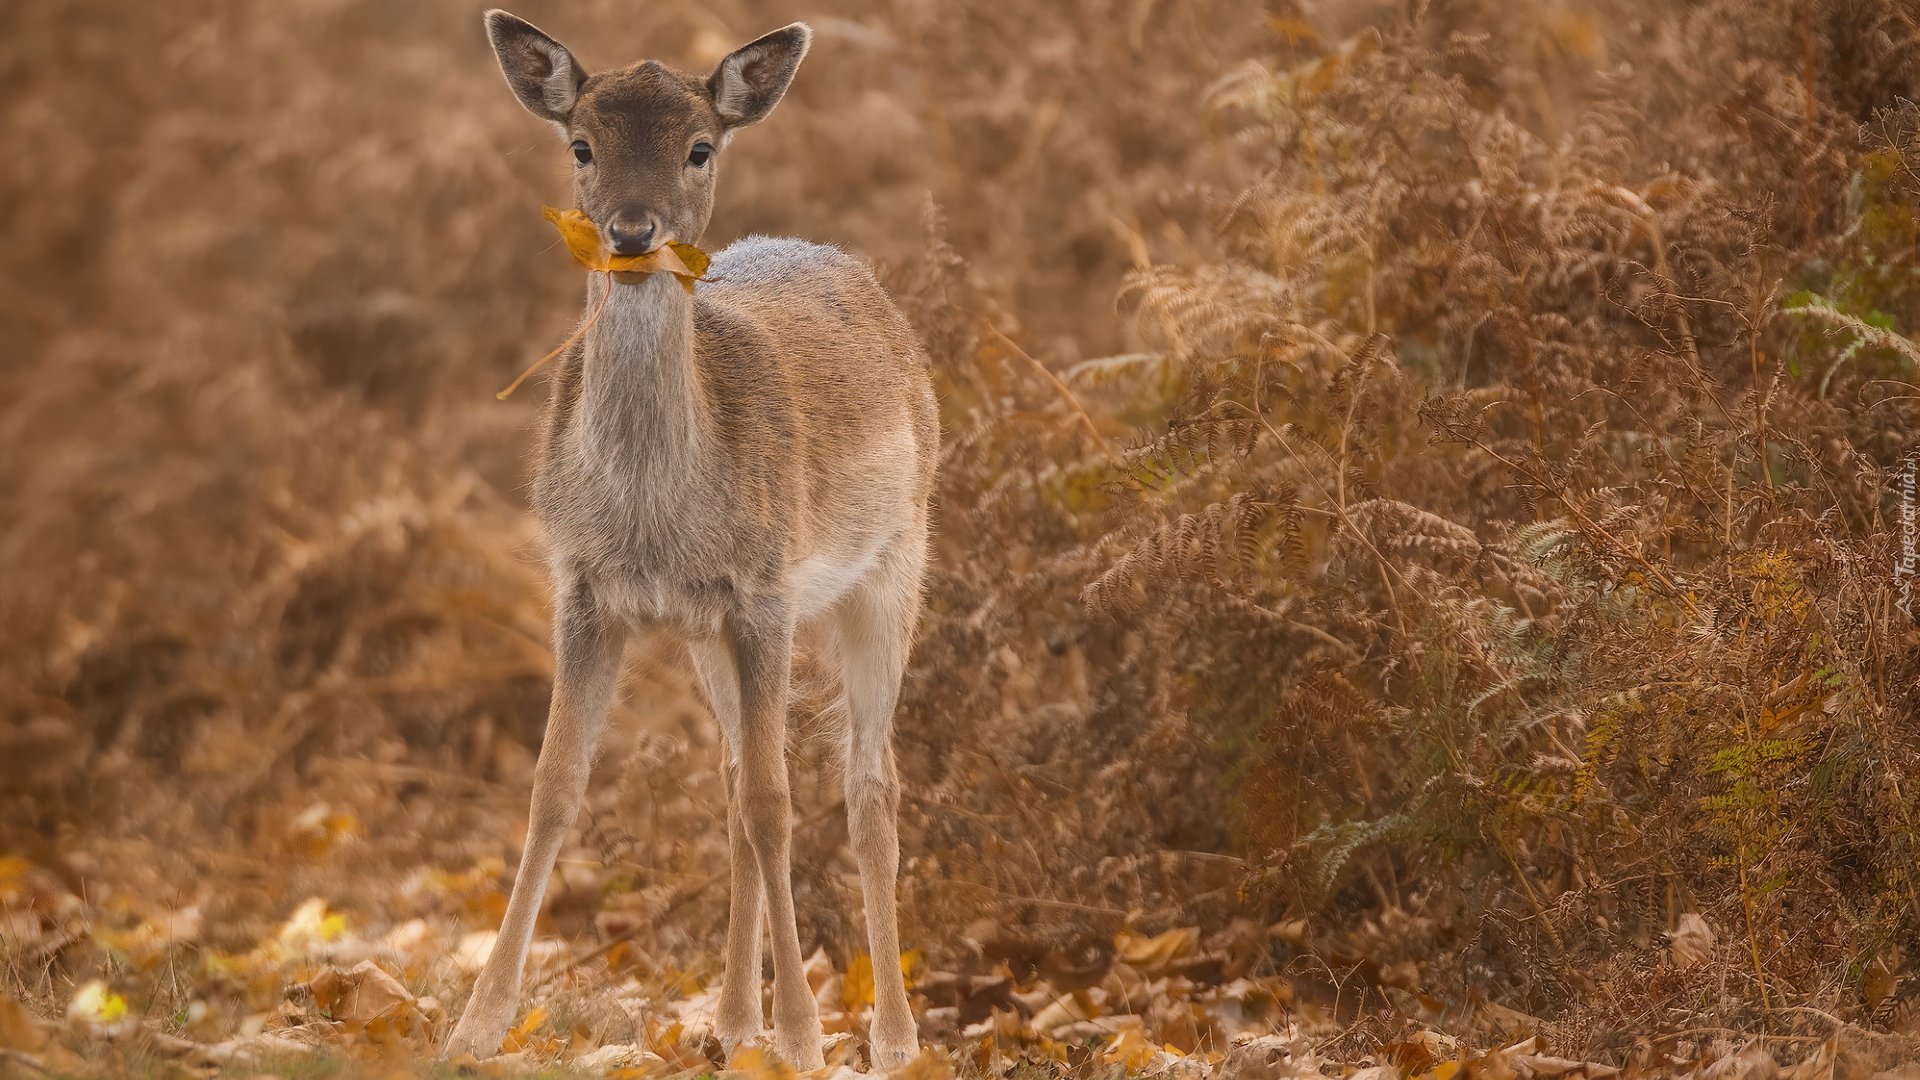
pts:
pixel 587 646
pixel 738 1019
pixel 765 652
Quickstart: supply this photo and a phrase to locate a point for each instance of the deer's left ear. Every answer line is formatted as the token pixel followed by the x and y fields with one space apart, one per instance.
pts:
pixel 752 79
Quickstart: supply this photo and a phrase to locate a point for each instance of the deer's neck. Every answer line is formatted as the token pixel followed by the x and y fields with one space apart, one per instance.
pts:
pixel 641 412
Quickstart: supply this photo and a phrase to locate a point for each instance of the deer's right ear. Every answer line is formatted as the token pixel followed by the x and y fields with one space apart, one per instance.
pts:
pixel 543 74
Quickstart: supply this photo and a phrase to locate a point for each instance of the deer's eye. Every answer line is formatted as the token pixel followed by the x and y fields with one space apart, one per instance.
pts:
pixel 582 153
pixel 701 152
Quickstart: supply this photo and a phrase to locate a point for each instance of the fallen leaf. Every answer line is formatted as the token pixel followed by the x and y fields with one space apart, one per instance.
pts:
pixel 856 989
pixel 1751 1063
pixel 818 969
pixel 1152 956
pixel 631 1059
pixel 1814 1066
pixel 19 1030
pixel 1691 942
pixel 365 997
pixel 474 948
pixel 1544 1066
pixel 1265 1057
pixel 1131 1051
pixel 311 923
pixel 837 1047
pixel 1877 983
pixel 14 872
pixel 1493 1017
pixel 94 1003
pixel 756 1063
pixel 582 237
pixel 523 1033
pixel 973 997
pixel 1062 1011
pixel 930 1065
pixel 318 831
pixel 1291 931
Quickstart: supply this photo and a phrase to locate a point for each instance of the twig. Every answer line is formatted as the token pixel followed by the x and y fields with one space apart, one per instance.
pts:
pixel 26 1059
pixel 627 935
pixel 571 338
pixel 674 905
pixel 1546 483
pixel 1066 394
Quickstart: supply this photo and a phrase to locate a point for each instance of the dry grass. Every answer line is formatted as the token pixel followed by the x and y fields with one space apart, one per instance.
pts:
pixel 1476 589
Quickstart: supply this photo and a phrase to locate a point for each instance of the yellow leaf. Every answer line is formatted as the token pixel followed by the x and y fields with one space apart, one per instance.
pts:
pixel 1443 1071
pixel 14 872
pixel 757 1064
pixel 582 237
pixel 1152 956
pixel 1130 1050
pixel 522 1035
pixel 312 921
pixel 1293 31
pixel 96 1004
pixel 856 990
pixel 318 830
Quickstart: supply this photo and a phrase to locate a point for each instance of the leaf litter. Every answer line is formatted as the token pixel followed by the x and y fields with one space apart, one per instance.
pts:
pixel 333 997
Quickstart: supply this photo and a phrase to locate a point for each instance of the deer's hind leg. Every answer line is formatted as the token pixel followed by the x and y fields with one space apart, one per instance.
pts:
pixel 738 1019
pixel 763 650
pixel 873 633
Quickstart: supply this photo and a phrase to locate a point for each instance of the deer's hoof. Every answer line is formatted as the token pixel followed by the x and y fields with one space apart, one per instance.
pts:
pixel 478 1035
pixel 893 1044
pixel 805 1057
pixel 891 1055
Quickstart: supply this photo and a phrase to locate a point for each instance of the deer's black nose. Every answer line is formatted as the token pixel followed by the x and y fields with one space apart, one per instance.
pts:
pixel 630 238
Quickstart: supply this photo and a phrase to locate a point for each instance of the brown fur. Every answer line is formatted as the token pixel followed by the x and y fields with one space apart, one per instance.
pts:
pixel 736 466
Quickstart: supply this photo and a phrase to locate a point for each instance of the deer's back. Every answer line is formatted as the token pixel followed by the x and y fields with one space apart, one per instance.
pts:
pixel 819 388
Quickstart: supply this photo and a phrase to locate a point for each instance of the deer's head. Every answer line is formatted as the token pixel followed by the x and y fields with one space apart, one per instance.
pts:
pixel 645 140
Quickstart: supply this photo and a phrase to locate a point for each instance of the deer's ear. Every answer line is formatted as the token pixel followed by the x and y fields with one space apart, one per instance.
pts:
pixel 751 80
pixel 543 74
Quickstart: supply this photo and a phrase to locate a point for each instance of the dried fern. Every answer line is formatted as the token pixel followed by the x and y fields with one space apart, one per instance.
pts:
pixel 1188 446
pixel 1218 546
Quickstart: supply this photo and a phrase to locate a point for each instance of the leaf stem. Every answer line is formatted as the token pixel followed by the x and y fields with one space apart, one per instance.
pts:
pixel 562 347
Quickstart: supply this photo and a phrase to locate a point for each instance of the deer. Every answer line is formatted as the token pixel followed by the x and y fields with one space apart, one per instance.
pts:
pixel 737 466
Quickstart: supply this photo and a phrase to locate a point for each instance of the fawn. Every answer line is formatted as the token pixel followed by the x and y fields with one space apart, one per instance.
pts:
pixel 734 466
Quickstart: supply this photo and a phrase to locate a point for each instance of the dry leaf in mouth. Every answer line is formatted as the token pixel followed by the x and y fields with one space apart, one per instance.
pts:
pixel 683 261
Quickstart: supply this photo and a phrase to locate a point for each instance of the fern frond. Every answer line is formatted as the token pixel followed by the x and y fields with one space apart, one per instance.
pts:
pixel 1209 309
pixel 1105 370
pixel 1187 446
pixel 1398 528
pixel 1218 546
pixel 1537 542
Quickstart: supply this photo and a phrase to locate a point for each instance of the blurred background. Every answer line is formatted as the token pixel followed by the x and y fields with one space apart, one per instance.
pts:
pixel 1418 523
